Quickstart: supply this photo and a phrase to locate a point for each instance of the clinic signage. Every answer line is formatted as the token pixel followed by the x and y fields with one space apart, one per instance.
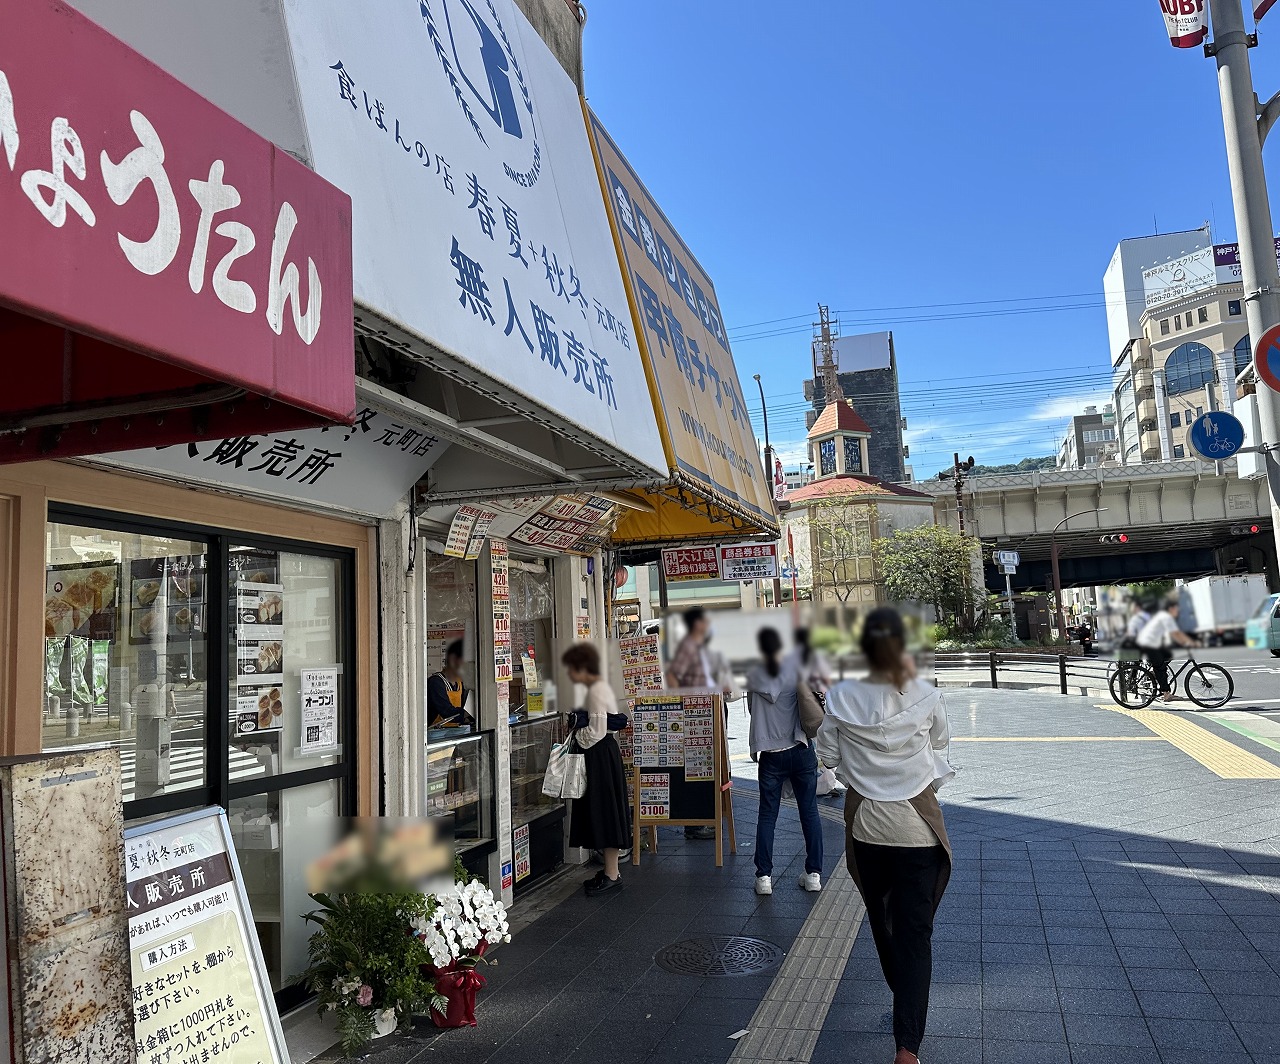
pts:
pixel 461 141
pixel 700 396
pixel 148 217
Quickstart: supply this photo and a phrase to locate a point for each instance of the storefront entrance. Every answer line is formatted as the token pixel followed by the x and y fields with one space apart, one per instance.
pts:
pixel 221 666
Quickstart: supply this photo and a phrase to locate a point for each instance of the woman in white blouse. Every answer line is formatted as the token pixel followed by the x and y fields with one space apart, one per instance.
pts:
pixel 887 739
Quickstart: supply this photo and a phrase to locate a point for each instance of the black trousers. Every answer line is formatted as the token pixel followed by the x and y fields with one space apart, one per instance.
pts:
pixel 898 886
pixel 1160 665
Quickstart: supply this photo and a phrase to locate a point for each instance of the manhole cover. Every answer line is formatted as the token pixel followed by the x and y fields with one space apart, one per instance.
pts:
pixel 719 955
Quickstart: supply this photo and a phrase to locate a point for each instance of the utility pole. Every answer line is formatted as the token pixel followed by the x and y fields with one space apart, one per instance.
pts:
pixel 825 367
pixel 768 476
pixel 959 479
pixel 1246 127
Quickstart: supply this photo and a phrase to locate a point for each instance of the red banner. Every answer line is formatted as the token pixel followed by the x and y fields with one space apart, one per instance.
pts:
pixel 137 213
pixel 1261 8
pixel 1187 22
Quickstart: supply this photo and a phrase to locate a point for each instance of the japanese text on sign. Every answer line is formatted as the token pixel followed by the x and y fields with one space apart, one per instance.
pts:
pixel 749 561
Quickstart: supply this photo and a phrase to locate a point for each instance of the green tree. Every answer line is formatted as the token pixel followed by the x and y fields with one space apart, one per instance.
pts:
pixel 932 565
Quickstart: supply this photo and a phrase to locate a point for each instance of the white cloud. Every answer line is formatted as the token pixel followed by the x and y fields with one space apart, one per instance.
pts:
pixel 1065 407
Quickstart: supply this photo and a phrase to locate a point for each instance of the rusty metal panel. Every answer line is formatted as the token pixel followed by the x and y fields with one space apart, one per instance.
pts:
pixel 69 987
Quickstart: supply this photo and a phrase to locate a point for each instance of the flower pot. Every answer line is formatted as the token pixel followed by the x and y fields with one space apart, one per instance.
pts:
pixel 458 983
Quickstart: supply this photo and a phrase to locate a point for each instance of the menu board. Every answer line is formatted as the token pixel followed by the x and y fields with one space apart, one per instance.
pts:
pixel 196 963
pixel 699 737
pixel 641 664
pixel 677 753
pixel 167 599
pixel 81 600
pixel 456 543
pixel 575 524
pixel 498 556
pixel 655 795
pixel 260 627
pixel 658 725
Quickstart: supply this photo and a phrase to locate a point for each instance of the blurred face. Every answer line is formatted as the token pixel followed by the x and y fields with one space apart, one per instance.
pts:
pixel 454 662
pixel 580 675
pixel 700 629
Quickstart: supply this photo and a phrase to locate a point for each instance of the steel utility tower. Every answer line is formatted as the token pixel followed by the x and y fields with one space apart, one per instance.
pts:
pixel 824 356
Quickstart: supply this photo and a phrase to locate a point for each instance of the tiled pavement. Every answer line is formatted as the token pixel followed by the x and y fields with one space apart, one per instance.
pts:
pixel 1113 900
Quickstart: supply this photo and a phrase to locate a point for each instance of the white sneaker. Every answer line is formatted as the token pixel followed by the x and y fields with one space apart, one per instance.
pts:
pixel 811 881
pixel 764 885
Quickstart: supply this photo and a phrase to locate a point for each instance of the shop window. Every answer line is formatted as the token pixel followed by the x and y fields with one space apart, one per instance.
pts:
pixel 1164 326
pixel 224 673
pixel 1233 308
pixel 1203 315
pixel 126 656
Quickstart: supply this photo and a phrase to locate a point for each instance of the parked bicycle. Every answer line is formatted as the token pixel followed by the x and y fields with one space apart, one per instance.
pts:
pixel 1133 684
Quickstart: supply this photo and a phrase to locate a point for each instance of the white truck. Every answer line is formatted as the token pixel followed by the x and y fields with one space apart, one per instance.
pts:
pixel 1216 608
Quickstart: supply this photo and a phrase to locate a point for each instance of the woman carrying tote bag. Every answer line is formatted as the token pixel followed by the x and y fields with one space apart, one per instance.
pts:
pixel 887 739
pixel 599 818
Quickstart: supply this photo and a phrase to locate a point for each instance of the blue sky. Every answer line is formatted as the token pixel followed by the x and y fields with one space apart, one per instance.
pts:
pixel 977 163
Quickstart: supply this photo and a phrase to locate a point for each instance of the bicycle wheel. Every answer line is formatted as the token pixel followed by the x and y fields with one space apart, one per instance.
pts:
pixel 1133 685
pixel 1209 686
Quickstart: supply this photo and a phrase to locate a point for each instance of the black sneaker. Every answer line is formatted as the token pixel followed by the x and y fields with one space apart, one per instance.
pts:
pixel 602 884
pixel 589 883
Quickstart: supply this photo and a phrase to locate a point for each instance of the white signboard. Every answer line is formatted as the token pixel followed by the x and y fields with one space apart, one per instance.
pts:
pixel 319 696
pixel 365 468
pixel 748 561
pixel 1007 557
pixel 1187 22
pixel 1179 278
pixel 197 965
pixel 477 223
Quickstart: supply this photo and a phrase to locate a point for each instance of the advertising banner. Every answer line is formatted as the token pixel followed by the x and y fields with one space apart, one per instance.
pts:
pixel 1226 262
pixel 1261 8
pixel 748 561
pixel 1187 22
pixel 197 965
pixel 148 217
pixel 680 564
pixel 700 397
pixel 1179 278
pixel 461 141
pixel 366 467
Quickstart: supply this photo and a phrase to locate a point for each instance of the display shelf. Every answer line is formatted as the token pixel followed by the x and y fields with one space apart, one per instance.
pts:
pixel 460 782
pixel 531 743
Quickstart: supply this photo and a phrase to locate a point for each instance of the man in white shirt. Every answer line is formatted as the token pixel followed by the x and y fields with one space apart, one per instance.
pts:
pixel 1156 641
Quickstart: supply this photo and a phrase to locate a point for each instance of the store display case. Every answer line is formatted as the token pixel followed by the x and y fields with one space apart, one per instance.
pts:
pixel 460 784
pixel 537 821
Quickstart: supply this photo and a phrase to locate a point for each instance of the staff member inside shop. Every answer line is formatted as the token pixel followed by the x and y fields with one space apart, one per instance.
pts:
pixel 446 693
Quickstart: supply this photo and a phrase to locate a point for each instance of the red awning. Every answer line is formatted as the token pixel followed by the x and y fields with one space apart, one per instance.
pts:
pixel 166 275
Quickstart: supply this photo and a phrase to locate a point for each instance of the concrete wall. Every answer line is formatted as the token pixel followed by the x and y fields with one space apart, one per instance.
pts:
pixel 558 26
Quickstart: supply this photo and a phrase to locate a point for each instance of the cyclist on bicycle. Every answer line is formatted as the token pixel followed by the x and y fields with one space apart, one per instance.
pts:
pixel 1156 641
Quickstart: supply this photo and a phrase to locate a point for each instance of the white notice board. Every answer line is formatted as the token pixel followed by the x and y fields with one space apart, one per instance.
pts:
pixel 196 963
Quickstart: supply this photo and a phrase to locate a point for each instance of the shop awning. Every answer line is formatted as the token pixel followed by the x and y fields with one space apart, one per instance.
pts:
pixel 167 274
pixel 717 486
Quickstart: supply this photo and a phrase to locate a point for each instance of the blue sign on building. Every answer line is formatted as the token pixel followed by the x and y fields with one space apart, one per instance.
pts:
pixel 1216 435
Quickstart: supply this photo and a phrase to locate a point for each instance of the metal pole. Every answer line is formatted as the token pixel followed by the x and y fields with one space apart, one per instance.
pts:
pixel 1057 586
pixel 959 496
pixel 795 591
pixel 1230 48
pixel 1008 594
pixel 768 475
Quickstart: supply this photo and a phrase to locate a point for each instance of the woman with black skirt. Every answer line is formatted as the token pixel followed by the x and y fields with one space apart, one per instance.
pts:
pixel 600 819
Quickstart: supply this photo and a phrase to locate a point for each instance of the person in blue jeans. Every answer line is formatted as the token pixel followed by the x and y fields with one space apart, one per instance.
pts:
pixel 781 749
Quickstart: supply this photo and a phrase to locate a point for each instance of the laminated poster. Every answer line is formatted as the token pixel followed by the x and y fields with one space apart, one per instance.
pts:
pixel 699 737
pixel 655 795
pixel 259 709
pixel 196 964
pixel 521 840
pixel 479 533
pixel 319 698
pixel 502 666
pixel 460 530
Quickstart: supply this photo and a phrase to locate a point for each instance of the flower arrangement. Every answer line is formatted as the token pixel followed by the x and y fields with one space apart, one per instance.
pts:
pixel 462 925
pixel 367 963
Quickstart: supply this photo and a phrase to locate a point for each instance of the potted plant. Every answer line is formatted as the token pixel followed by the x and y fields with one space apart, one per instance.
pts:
pixel 455 932
pixel 368 964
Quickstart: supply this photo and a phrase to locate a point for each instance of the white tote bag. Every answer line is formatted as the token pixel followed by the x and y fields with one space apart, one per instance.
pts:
pixel 566 775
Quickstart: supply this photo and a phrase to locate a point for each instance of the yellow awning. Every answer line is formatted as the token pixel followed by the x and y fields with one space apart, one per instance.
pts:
pixel 718 489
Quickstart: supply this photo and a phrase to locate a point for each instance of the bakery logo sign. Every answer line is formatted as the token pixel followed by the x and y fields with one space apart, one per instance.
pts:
pixel 485 76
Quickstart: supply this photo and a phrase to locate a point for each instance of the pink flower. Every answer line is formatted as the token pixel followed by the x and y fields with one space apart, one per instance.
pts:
pixel 365 998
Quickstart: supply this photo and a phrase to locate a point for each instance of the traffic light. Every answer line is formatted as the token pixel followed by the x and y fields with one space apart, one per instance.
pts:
pixel 1244 530
pixel 1117 537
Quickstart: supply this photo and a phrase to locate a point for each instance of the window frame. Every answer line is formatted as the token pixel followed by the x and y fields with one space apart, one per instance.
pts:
pixel 217 788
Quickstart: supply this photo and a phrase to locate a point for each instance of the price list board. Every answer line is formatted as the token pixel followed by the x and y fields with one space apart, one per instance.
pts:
pixel 678 765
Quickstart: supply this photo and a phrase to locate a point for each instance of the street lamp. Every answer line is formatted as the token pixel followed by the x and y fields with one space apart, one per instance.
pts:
pixel 768 475
pixel 1057 579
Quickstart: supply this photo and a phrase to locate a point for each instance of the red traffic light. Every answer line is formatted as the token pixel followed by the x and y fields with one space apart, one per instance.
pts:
pixel 1245 530
pixel 1253 530
pixel 1124 538
pixel 1114 537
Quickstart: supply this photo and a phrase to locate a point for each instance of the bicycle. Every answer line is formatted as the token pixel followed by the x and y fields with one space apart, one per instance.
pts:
pixel 1133 684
